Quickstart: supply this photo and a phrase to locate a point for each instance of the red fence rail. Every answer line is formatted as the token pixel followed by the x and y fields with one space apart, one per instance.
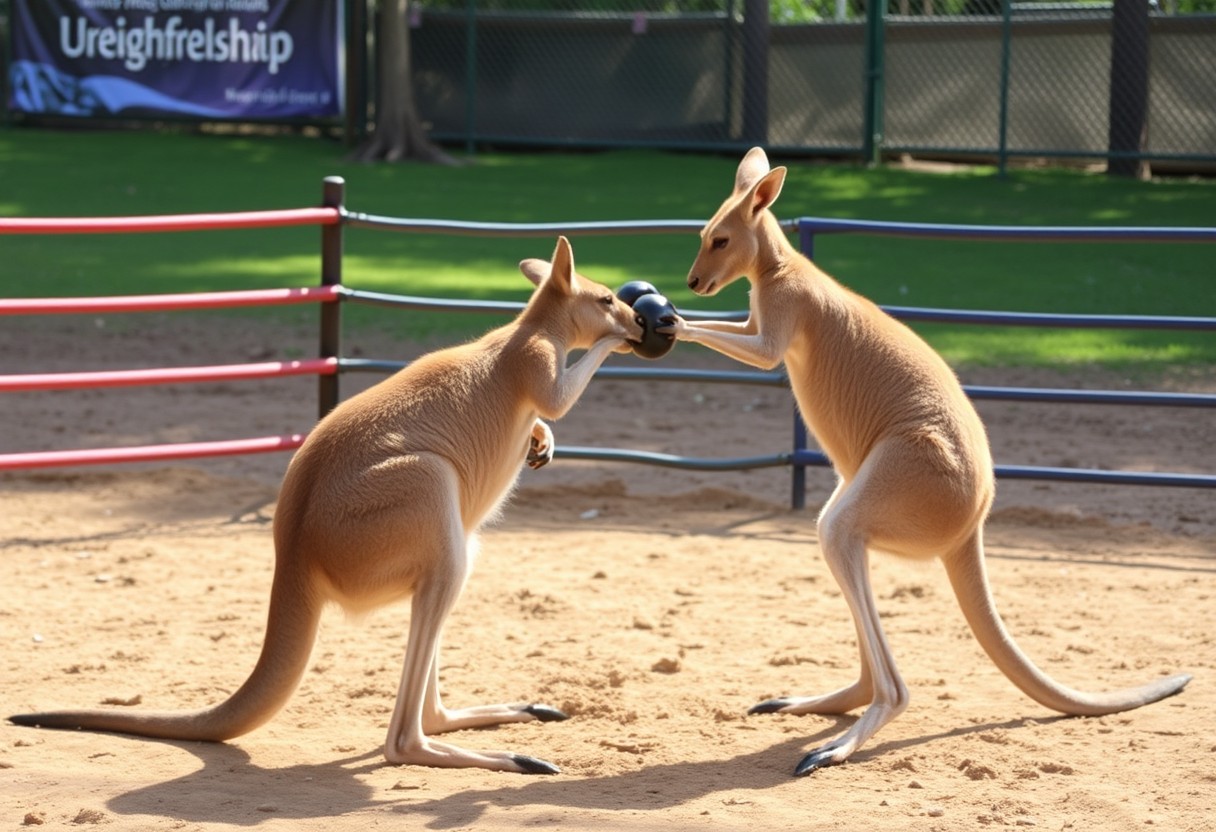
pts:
pixel 151 453
pixel 325 366
pixel 23 382
pixel 171 302
pixel 171 222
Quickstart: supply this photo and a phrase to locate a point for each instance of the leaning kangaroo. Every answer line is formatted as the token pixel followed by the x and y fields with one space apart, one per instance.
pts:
pixel 914 467
pixel 384 500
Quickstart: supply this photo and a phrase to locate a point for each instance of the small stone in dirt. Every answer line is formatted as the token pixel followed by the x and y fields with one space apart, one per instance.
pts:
pixel 666 666
pixel 89 816
pixel 34 819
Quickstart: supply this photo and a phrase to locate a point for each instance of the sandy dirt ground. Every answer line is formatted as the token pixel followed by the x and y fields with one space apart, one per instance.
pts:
pixel 653 606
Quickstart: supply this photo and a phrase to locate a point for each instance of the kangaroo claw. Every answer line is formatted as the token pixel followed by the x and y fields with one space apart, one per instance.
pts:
pixel 768 706
pixel 544 713
pixel 531 765
pixel 817 759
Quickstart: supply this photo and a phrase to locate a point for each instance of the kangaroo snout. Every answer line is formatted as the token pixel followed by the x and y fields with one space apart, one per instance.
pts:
pixel 702 286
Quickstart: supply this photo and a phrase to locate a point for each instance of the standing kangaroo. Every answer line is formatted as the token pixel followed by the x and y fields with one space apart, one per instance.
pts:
pixel 384 501
pixel 914 467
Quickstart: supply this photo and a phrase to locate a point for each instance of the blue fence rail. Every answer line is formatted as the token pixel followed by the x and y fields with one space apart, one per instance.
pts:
pixel 801 456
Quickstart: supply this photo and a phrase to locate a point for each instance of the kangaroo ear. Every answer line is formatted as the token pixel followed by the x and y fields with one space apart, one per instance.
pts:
pixel 535 270
pixel 766 191
pixel 753 166
pixel 561 274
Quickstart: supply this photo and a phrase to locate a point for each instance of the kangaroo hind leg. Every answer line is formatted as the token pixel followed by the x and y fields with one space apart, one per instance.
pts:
pixel 839 701
pixel 435 594
pixel 865 509
pixel 844 549
pixel 436 719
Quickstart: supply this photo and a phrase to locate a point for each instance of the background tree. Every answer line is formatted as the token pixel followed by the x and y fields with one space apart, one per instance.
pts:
pixel 397 132
pixel 1128 88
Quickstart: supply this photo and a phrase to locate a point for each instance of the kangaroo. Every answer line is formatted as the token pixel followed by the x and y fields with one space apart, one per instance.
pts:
pixel 384 500
pixel 915 473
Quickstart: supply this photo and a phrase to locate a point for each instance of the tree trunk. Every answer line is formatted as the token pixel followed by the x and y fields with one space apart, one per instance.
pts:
pixel 1128 87
pixel 397 132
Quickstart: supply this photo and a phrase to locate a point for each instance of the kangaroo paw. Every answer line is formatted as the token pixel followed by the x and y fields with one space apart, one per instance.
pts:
pixel 544 713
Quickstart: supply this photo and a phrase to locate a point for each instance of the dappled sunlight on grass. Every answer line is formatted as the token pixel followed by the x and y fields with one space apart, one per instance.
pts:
pixel 1063 348
pixel 283 270
pixel 99 173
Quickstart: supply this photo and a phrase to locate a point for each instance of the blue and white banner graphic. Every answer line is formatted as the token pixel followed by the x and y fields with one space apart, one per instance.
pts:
pixel 207 59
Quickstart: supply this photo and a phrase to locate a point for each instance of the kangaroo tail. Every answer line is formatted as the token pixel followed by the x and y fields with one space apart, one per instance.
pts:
pixel 967 573
pixel 295 610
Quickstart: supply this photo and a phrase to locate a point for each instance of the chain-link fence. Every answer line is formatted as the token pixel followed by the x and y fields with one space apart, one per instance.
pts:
pixel 1127 81
pixel 970 78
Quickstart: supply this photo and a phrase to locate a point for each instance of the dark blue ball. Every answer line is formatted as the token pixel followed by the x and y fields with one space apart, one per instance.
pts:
pixel 653 311
pixel 635 289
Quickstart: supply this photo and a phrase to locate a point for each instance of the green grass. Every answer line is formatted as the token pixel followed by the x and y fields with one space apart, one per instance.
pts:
pixel 45 173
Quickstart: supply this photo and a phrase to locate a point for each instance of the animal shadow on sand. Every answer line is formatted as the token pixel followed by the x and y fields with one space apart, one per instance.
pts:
pixel 206 795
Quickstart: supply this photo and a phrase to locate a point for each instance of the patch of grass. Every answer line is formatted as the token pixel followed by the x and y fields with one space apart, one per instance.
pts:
pixel 83 173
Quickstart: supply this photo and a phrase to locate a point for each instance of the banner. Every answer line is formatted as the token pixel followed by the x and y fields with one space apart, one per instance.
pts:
pixel 206 59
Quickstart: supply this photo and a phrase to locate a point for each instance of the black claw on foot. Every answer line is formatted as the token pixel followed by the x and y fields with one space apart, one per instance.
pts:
pixel 531 765
pixel 817 759
pixel 769 706
pixel 546 714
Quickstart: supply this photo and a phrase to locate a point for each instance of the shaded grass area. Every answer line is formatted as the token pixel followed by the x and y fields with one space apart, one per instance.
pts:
pixel 46 173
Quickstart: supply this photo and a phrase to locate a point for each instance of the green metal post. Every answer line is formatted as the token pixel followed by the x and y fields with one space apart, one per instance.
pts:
pixel 1003 127
pixel 728 73
pixel 871 141
pixel 470 75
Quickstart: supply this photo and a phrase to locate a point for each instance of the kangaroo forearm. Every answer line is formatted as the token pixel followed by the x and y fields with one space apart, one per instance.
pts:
pixel 747 327
pixel 754 349
pixel 573 380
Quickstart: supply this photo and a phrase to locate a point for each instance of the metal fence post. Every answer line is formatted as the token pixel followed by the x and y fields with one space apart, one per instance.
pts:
pixel 333 193
pixel 875 61
pixel 806 244
pixel 730 36
pixel 1003 118
pixel 470 75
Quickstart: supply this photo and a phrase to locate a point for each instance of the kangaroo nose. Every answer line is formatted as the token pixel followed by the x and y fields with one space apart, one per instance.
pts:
pixel 693 281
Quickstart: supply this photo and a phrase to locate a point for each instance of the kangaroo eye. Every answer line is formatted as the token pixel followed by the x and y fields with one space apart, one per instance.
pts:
pixel 719 243
pixel 606 300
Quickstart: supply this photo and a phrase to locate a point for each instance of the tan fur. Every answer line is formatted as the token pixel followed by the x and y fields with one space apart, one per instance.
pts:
pixel 915 471
pixel 384 499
